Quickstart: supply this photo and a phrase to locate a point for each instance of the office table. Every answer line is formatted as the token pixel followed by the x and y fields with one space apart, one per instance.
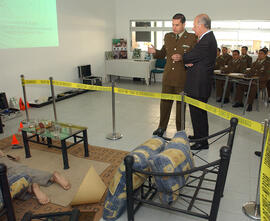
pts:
pixel 240 79
pixel 129 68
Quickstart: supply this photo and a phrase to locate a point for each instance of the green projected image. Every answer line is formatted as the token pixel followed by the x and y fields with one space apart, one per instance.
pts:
pixel 28 23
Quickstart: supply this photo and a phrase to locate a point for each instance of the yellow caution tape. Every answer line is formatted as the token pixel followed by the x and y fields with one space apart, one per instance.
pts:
pixel 37 82
pixel 265 181
pixel 81 86
pixel 69 84
pixel 256 126
pixel 225 114
pixel 176 97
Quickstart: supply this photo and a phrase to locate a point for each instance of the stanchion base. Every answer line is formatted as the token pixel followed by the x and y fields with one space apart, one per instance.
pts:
pixel 252 210
pixel 114 136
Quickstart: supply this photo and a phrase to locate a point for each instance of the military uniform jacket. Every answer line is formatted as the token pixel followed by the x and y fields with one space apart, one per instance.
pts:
pixel 226 58
pixel 174 72
pixel 220 62
pixel 236 66
pixel 247 59
pixel 261 69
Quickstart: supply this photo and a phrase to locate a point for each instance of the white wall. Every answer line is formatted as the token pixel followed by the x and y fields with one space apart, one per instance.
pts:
pixel 161 9
pixel 85 29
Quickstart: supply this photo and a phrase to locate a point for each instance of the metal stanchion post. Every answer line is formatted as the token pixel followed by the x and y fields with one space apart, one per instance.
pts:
pixel 183 111
pixel 113 135
pixel 252 208
pixel 1 126
pixel 53 99
pixel 24 97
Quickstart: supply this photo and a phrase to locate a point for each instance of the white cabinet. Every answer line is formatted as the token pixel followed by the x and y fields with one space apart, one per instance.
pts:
pixel 129 68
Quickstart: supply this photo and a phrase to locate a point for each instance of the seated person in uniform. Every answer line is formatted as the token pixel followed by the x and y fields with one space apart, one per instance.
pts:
pixel 220 62
pixel 260 68
pixel 225 55
pixel 268 88
pixel 266 49
pixel 245 56
pixel 236 65
pixel 38 178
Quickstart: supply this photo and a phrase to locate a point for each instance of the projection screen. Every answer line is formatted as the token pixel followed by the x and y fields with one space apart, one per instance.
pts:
pixel 28 23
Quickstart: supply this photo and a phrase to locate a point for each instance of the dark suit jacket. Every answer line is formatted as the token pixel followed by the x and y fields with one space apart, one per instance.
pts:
pixel 203 58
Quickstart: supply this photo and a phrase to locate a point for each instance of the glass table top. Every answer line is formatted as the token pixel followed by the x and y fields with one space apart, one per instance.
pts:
pixel 51 129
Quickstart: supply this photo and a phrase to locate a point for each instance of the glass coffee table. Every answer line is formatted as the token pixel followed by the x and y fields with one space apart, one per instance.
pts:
pixel 45 131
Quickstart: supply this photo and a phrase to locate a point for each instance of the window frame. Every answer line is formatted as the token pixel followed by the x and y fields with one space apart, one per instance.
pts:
pixel 236 29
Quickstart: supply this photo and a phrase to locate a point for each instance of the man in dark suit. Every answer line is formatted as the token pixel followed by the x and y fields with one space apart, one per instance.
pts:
pixel 201 63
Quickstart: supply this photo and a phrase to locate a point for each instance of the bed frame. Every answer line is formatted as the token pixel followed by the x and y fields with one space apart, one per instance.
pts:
pixel 7 202
pixel 211 174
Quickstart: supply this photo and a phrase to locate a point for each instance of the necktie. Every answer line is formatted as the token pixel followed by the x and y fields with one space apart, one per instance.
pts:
pixel 177 36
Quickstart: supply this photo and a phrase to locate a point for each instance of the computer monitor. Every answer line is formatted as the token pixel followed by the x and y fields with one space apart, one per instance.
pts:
pixel 84 71
pixel 3 101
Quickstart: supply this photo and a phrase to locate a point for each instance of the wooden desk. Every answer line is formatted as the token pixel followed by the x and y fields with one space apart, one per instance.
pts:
pixel 240 79
pixel 129 68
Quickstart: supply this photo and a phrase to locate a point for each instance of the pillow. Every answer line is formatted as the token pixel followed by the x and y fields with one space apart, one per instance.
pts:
pixel 18 186
pixel 176 157
pixel 115 202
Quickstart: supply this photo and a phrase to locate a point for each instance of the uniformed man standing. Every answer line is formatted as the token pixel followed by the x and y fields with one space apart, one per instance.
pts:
pixel 227 58
pixel 245 56
pixel 176 43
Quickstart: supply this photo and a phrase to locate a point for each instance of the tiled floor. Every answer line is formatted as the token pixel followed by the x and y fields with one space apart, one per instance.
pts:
pixel 137 117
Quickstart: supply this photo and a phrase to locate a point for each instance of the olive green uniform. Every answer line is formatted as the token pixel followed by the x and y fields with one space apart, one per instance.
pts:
pixel 220 62
pixel 227 58
pixel 234 66
pixel 247 59
pixel 261 69
pixel 174 76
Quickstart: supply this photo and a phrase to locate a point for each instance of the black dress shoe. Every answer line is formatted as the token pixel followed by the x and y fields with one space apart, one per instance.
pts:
pixel 191 137
pixel 199 146
pixel 238 105
pixel 226 100
pixel 159 132
pixel 249 108
pixel 219 100
pixel 258 153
